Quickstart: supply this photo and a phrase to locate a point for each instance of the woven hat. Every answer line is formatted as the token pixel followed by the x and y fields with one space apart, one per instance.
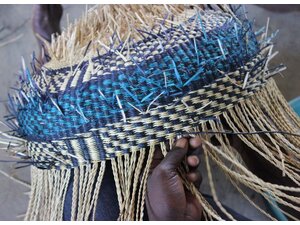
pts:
pixel 126 79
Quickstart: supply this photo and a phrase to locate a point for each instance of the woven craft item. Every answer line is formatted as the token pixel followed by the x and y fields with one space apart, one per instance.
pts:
pixel 125 80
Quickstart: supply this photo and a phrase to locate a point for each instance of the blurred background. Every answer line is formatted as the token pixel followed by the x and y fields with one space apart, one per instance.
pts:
pixel 17 40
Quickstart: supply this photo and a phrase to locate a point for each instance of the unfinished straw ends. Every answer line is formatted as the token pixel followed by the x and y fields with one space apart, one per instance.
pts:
pixel 125 79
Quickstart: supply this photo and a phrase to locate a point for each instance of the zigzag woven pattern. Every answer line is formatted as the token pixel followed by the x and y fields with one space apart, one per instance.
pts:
pixel 156 126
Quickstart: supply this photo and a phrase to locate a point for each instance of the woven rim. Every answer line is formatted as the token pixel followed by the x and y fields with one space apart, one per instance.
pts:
pixel 156 126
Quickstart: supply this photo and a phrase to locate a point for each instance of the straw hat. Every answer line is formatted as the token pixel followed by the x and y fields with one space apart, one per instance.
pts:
pixel 125 79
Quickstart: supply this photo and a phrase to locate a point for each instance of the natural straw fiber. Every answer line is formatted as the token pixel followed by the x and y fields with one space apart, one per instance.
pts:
pixel 126 80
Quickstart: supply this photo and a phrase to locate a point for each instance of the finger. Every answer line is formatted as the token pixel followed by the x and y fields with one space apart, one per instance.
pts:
pixel 157 158
pixel 194 208
pixel 158 155
pixel 195 142
pixel 193 161
pixel 195 177
pixel 176 155
pixel 195 146
pixel 194 153
pixel 193 165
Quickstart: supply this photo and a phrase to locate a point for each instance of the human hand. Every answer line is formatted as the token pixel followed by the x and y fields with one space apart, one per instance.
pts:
pixel 167 198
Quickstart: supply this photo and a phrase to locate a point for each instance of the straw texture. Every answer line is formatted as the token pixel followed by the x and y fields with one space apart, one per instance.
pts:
pixel 124 81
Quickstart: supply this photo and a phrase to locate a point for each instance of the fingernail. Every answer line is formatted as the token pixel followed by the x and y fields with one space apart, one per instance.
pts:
pixel 195 142
pixel 181 143
pixel 196 160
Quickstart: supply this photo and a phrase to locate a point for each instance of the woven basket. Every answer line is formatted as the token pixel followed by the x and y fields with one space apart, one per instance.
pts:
pixel 124 80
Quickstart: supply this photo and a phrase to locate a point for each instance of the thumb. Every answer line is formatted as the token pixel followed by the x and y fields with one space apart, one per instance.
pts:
pixel 176 155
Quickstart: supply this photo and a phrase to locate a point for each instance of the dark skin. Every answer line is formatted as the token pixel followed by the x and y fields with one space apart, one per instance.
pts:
pixel 167 199
pixel 45 22
pixel 281 8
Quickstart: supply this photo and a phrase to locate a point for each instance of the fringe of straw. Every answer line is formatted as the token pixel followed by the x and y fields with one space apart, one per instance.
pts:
pixel 131 174
pixel 267 110
pixel 49 187
pixel 48 190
